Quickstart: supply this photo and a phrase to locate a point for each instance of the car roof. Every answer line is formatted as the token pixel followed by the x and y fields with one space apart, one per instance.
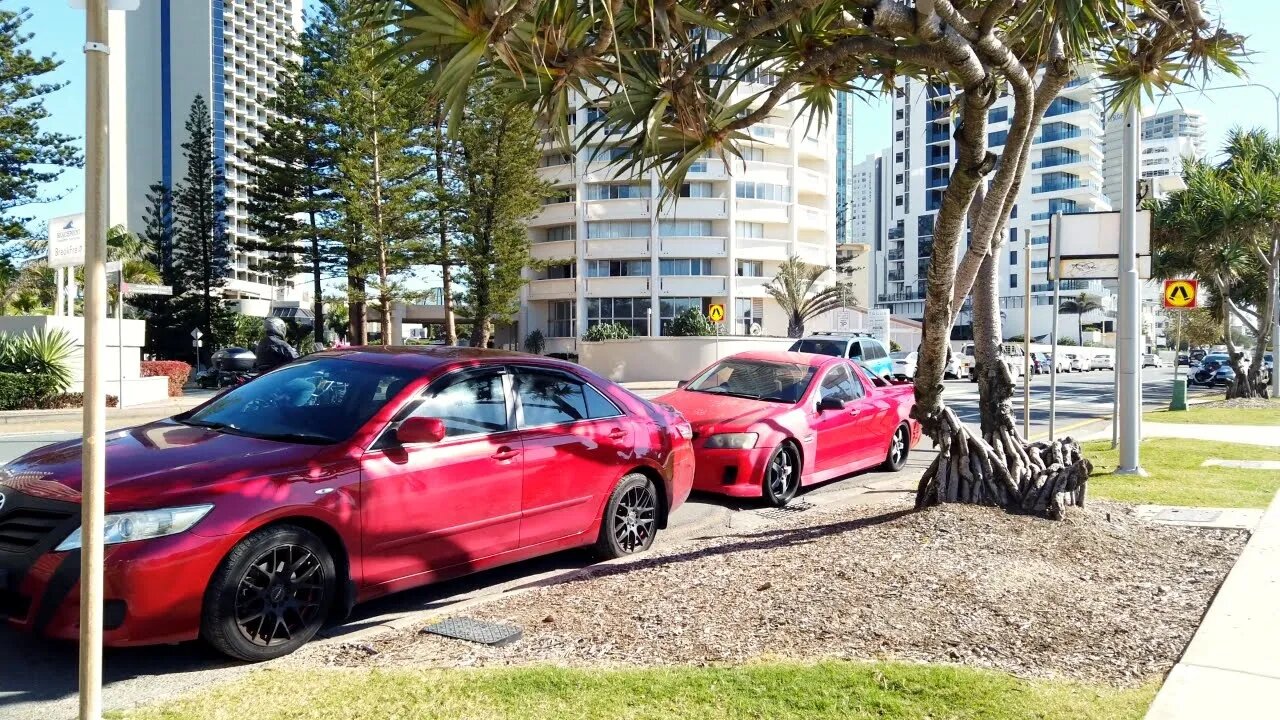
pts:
pixel 430 357
pixel 786 356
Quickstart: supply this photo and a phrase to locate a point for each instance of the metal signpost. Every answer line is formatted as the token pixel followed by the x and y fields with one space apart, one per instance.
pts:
pixel 1055 246
pixel 196 342
pixel 1026 343
pixel 1129 318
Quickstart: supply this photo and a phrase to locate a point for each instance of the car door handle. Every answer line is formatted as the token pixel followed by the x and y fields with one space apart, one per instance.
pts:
pixel 505 453
pixel 854 411
pixel 617 434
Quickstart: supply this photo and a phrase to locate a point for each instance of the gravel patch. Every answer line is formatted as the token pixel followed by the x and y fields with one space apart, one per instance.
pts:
pixel 1098 597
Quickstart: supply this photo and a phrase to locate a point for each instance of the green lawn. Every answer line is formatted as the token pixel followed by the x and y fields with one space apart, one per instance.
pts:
pixel 1176 477
pixel 1218 416
pixel 849 691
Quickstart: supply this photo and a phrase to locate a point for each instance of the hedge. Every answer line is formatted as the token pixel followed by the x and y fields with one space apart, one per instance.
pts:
pixel 177 372
pixel 19 391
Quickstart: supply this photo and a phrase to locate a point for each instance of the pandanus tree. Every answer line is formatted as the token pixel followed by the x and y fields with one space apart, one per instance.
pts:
pixel 1080 305
pixel 675 80
pixel 799 293
pixel 1224 229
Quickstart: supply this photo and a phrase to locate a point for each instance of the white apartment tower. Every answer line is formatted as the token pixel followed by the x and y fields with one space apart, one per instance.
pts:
pixel 611 251
pixel 1065 175
pixel 163 55
pixel 1167 138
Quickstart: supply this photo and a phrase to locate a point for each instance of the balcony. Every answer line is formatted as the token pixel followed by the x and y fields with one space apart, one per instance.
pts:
pixel 906 296
pixel 555 214
pixel 812 253
pixel 750 286
pixel 812 182
pixel 707 169
pixel 894 255
pixel 812 218
pixel 693 285
pixel 617 248
pixel 761 248
pixel 762 211
pixel 1041 240
pixel 894 277
pixel 693 246
pixel 555 250
pixel 695 208
pixel 617 286
pixel 938 133
pixel 558 288
pixel 936 181
pixel 816 147
pixel 633 209
pixel 937 156
pixel 558 174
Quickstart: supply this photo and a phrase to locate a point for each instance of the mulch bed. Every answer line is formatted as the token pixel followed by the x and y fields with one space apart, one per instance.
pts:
pixel 1248 403
pixel 1098 597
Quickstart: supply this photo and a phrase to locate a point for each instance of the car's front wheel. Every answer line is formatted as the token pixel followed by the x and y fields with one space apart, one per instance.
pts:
pixel 782 476
pixel 271 594
pixel 630 520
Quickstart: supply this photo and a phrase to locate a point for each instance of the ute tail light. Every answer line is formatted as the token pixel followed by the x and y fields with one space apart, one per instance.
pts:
pixel 676 422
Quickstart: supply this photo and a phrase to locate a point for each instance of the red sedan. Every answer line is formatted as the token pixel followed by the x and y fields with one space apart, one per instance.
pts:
pixel 767 423
pixel 351 474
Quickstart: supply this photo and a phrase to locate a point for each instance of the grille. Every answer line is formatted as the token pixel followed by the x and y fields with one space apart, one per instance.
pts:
pixel 23 528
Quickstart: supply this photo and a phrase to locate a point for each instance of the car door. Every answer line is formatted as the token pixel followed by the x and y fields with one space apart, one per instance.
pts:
pixel 427 507
pixel 874 421
pixel 835 430
pixel 577 445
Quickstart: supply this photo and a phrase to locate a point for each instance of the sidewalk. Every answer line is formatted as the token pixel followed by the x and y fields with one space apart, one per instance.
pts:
pixel 1264 435
pixel 1231 669
pixel 24 421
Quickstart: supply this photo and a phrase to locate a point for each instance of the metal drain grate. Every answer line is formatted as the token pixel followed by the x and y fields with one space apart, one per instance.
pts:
pixel 476 631
pixel 787 511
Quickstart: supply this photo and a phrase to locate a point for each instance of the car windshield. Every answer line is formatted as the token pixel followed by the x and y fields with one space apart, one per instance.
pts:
pixel 901 355
pixel 819 346
pixel 755 379
pixel 319 401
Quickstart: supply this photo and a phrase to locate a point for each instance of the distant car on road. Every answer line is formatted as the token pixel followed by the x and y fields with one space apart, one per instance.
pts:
pixel 1074 362
pixel 854 346
pixel 257 517
pixel 1184 359
pixel 1102 361
pixel 1214 369
pixel 767 423
pixel 904 363
pixel 1152 360
pixel 1042 363
pixel 1010 355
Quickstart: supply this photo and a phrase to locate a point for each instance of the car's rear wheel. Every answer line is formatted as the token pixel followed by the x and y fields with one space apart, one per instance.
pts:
pixel 270 595
pixel 899 448
pixel 782 476
pixel 630 520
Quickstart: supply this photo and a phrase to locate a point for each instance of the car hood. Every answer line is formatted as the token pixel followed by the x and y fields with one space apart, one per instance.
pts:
pixel 709 413
pixel 158 464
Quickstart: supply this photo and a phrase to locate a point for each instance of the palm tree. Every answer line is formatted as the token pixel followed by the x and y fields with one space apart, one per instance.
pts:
pixel 1080 305
pixel 794 288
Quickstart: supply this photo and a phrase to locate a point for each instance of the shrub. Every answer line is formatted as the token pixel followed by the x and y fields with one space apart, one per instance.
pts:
pixel 22 391
pixel 894 346
pixel 67 401
pixel 44 353
pixel 535 343
pixel 176 371
pixel 607 331
pixel 1067 341
pixel 691 323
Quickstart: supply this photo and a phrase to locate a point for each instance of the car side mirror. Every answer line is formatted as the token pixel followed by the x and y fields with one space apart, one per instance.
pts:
pixel 830 403
pixel 682 384
pixel 416 430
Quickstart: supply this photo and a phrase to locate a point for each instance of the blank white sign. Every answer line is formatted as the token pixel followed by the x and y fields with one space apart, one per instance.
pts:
pixel 1098 234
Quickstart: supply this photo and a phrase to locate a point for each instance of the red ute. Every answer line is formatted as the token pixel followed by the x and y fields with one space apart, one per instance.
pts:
pixel 766 423
pixel 335 479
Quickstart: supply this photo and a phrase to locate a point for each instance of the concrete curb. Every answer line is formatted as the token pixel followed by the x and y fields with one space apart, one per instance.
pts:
pixel 1231 668
pixel 33 417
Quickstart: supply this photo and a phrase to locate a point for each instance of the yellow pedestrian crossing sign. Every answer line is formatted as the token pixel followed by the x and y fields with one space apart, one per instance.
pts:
pixel 1180 294
pixel 715 313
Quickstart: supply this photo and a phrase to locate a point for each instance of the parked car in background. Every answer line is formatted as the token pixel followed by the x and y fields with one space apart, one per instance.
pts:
pixel 1184 359
pixel 1214 369
pixel 904 363
pixel 1102 361
pixel 1010 355
pixel 954 369
pixel 853 346
pixel 1042 362
pixel 767 423
pixel 1152 360
pixel 253 519
pixel 1074 362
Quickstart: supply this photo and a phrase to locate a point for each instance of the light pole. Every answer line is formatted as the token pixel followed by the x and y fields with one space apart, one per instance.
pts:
pixel 1026 341
pixel 1128 354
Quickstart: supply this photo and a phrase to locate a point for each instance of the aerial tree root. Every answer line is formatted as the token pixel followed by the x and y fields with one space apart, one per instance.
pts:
pixel 1040 478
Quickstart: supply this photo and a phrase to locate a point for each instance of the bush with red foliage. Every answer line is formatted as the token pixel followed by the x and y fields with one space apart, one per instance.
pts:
pixel 176 371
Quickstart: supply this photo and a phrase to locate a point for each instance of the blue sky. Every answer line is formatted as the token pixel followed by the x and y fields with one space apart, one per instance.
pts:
pixel 59 30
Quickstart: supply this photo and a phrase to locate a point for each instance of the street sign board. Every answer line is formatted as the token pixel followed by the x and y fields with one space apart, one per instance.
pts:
pixel 66 241
pixel 1181 294
pixel 715 313
pixel 1090 246
pixel 844 319
pixel 196 334
pixel 145 289
pixel 878 319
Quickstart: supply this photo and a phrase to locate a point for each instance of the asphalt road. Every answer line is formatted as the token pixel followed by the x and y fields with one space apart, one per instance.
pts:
pixel 38 680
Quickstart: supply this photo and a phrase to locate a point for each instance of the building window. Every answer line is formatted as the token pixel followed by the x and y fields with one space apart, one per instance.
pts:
pixel 684 228
pixel 750 268
pixel 763 191
pixel 750 229
pixel 684 266
pixel 898 157
pixel 1013 280
pixel 1014 215
pixel 563 195
pixel 631 312
pixel 1013 258
pixel 557 233
pixel 754 154
pixel 898 136
pixel 899 114
pixel 1013 235
pixel 997 139
pixel 670 308
pixel 898 179
pixel 617 191
pixel 999 114
pixel 618 268
pixel 554 160
pixel 618 229
pixel 746 312
pixel 562 318
pixel 561 271
pixel 898 201
pixel 695 189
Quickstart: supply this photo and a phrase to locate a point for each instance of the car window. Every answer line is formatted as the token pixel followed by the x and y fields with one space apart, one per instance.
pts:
pixel 855 350
pixel 841 385
pixel 872 350
pixel 755 379
pixel 548 397
pixel 469 404
pixel 901 355
pixel 819 346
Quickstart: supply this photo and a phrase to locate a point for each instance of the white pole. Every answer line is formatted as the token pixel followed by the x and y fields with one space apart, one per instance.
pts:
pixel 1128 320
pixel 1026 343
pixel 120 337
pixel 93 453
pixel 1055 265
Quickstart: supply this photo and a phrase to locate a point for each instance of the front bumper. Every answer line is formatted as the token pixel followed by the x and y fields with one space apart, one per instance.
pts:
pixel 153 589
pixel 736 473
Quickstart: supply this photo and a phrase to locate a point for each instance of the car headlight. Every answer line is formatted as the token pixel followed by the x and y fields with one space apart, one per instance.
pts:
pixel 732 441
pixel 142 525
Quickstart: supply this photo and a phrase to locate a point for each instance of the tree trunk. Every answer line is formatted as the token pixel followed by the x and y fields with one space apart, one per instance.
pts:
pixel 446 261
pixel 316 289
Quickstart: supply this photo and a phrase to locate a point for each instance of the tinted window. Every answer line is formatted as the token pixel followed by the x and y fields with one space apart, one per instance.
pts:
pixel 321 401
pixel 469 405
pixel 552 398
pixel 599 406
pixel 818 346
pixel 839 384
pixel 755 379
pixel 855 350
pixel 872 350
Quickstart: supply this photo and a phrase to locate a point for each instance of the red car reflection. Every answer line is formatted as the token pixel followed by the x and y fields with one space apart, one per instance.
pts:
pixel 351 474
pixel 767 423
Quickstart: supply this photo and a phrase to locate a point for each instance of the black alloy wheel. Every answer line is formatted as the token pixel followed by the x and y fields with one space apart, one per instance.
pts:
pixel 630 521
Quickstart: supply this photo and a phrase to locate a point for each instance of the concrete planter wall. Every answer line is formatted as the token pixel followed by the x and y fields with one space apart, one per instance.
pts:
pixel 657 359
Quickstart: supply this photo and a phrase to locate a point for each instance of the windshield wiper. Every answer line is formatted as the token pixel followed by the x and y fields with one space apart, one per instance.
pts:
pixel 206 424
pixel 722 391
pixel 295 437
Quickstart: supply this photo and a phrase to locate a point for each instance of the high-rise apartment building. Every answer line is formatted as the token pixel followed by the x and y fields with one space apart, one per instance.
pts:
pixel 1167 138
pixel 865 210
pixel 1065 175
pixel 611 248
pixel 844 166
pixel 164 55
